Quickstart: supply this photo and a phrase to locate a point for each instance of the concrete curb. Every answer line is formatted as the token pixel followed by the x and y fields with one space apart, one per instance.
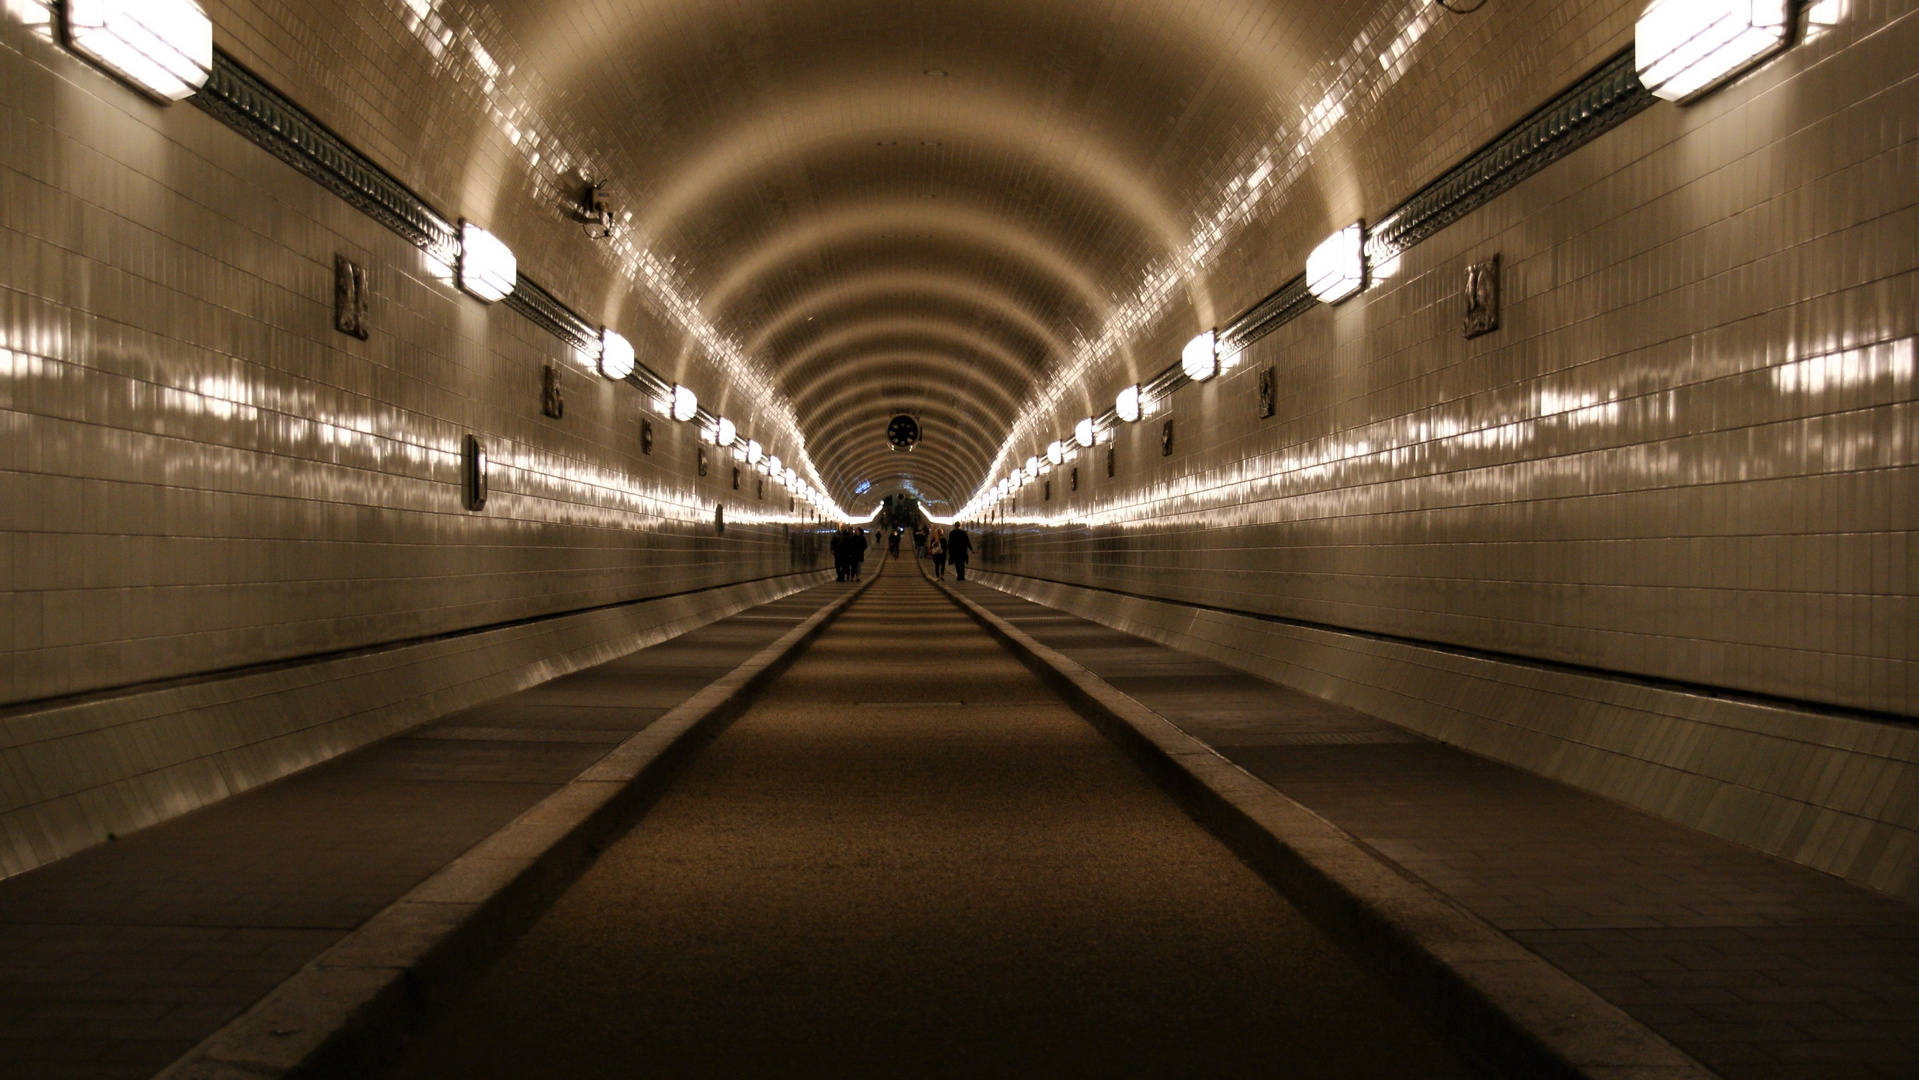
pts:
pixel 352 1008
pixel 1512 1010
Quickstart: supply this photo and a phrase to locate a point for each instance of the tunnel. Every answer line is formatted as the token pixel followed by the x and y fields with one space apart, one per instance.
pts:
pixel 919 538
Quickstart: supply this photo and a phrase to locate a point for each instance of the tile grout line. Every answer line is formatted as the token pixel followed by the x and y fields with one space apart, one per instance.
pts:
pixel 351 1008
pixel 1516 1012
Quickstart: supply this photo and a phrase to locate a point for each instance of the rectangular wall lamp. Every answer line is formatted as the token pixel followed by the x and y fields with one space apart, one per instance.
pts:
pixel 1685 48
pixel 1337 267
pixel 164 47
pixel 488 269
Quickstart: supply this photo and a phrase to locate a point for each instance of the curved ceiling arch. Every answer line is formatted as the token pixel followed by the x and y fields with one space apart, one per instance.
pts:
pixel 931 336
pixel 881 284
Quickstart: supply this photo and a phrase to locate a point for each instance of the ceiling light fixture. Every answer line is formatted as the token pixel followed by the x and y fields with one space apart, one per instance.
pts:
pixel 1083 432
pixel 1200 358
pixel 1056 452
pixel 1126 405
pixel 685 404
pixel 754 451
pixel 1337 267
pixel 1685 48
pixel 616 355
pixel 725 432
pixel 164 47
pixel 488 269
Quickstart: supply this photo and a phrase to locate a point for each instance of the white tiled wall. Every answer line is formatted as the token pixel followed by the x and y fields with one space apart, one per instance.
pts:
pixel 1687 455
pixel 198 473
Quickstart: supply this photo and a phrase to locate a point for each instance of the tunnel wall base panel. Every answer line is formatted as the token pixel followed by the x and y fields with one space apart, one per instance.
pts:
pixel 73 775
pixel 1835 793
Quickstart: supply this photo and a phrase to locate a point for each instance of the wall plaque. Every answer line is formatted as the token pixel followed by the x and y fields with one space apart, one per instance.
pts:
pixel 349 297
pixel 700 456
pixel 1482 297
pixel 1166 438
pixel 1266 392
pixel 646 436
pixel 1109 459
pixel 552 398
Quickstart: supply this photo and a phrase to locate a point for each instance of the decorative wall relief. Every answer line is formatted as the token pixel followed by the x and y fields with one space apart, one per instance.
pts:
pixel 719 519
pixel 350 298
pixel 646 436
pixel 1266 392
pixel 1073 485
pixel 736 478
pixel 1482 297
pixel 473 473
pixel 700 456
pixel 552 398
pixel 760 488
pixel 1109 459
pixel 1049 491
pixel 1166 438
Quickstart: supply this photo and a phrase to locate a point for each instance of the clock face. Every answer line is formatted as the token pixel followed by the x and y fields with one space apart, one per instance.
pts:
pixel 902 432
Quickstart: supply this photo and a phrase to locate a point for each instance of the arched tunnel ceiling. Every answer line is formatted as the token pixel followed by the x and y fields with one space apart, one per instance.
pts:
pixel 926 205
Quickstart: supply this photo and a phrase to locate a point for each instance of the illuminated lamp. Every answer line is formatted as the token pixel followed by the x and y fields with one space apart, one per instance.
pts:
pixel 1200 359
pixel 685 404
pixel 725 432
pixel 487 267
pixel 1032 467
pixel 1337 267
pixel 791 478
pixel 1056 452
pixel 754 451
pixel 1684 48
pixel 1083 432
pixel 164 47
pixel 1126 405
pixel 773 466
pixel 616 355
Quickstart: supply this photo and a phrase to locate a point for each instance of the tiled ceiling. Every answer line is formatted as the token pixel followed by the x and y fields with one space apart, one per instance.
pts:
pixel 926 205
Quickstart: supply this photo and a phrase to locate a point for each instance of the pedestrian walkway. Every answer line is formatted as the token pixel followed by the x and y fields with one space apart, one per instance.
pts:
pixel 910 858
pixel 1760 968
pixel 116 961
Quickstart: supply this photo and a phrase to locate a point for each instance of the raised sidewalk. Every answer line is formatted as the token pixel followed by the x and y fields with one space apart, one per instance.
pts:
pixel 1759 968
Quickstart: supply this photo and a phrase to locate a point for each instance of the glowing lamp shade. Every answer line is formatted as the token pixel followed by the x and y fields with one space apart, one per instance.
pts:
pixel 1126 405
pixel 1083 432
pixel 1337 267
pixel 1056 452
pixel 1684 48
pixel 487 267
pixel 686 404
pixel 164 47
pixel 616 355
pixel 725 432
pixel 754 451
pixel 1200 359
pixel 791 479
pixel 773 466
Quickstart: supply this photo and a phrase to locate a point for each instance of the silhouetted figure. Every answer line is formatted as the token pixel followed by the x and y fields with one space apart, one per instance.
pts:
pixel 920 533
pixel 936 548
pixel 842 563
pixel 858 546
pixel 959 548
pixel 893 542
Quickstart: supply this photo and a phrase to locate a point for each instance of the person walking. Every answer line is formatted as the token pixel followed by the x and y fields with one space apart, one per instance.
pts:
pixel 857 544
pixel 936 549
pixel 838 544
pixel 959 549
pixel 893 542
pixel 920 533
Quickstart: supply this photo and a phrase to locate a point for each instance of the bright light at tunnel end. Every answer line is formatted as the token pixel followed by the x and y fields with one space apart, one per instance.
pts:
pixel 164 47
pixel 1337 267
pixel 1685 48
pixel 488 269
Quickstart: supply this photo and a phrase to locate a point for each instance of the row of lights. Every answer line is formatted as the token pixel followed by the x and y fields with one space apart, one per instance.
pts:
pixel 165 49
pixel 1683 49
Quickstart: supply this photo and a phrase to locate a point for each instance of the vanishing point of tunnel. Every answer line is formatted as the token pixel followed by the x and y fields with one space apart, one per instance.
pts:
pixel 909 538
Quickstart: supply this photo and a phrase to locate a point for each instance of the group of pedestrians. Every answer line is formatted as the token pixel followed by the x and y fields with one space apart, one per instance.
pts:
pixel 849 553
pixel 849 549
pixel 955 547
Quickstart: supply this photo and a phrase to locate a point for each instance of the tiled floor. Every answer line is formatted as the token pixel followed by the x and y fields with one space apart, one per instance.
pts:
pixel 1762 969
pixel 119 959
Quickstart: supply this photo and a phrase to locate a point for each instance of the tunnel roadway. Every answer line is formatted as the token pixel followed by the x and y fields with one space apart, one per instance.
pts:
pixel 909 857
